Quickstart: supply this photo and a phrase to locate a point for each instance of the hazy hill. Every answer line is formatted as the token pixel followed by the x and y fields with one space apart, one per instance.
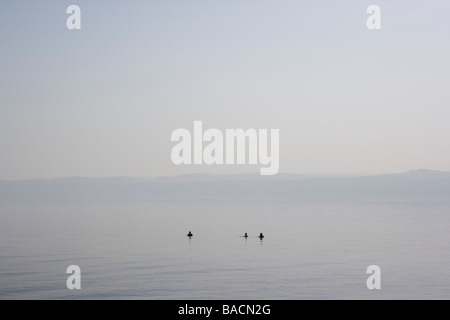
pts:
pixel 418 185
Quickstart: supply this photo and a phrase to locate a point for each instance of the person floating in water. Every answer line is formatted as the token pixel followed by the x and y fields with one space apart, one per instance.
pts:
pixel 190 234
pixel 261 236
pixel 245 235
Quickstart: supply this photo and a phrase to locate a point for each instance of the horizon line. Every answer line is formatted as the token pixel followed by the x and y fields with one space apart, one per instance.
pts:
pixel 256 174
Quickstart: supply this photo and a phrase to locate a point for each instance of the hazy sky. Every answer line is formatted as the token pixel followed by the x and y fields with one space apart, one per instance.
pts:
pixel 104 100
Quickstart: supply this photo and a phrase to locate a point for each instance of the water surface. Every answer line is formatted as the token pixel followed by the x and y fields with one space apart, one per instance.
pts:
pixel 140 250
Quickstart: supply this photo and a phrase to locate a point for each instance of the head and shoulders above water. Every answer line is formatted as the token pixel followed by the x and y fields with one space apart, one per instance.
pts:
pixel 260 235
pixel 245 235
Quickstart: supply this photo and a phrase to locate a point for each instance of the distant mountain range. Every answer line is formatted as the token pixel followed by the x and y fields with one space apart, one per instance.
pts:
pixel 417 185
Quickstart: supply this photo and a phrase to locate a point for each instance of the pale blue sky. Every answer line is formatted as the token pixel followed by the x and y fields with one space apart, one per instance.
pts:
pixel 103 100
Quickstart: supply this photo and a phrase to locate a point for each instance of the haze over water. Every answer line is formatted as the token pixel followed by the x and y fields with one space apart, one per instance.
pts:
pixel 140 250
pixel 87 177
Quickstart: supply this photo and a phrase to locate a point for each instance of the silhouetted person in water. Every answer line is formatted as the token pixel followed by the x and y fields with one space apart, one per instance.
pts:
pixel 261 236
pixel 190 234
pixel 245 235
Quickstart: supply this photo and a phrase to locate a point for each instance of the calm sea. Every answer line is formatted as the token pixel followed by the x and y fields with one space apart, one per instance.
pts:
pixel 140 250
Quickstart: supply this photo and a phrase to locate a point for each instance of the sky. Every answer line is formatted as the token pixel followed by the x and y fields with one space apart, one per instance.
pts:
pixel 103 101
